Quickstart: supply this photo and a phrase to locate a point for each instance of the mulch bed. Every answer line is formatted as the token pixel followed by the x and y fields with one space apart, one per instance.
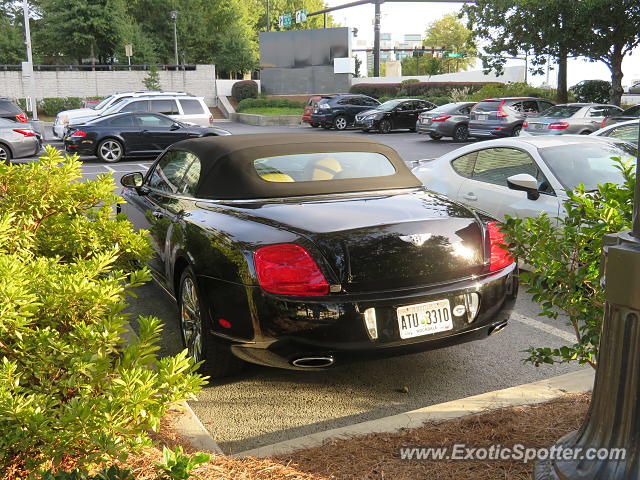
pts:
pixel 375 456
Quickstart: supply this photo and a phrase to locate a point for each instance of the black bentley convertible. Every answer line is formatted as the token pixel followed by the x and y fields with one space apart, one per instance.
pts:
pixel 309 250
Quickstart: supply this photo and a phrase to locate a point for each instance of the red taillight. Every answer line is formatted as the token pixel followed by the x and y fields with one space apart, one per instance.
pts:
pixel 499 257
pixel 558 125
pixel 27 132
pixel 22 118
pixel 78 133
pixel 288 269
pixel 210 119
pixel 525 124
pixel 441 118
pixel 603 123
pixel 501 112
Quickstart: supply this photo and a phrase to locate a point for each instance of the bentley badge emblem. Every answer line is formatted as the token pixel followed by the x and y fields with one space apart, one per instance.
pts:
pixel 418 239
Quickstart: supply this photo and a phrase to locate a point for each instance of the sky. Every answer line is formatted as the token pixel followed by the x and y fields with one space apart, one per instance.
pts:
pixel 413 17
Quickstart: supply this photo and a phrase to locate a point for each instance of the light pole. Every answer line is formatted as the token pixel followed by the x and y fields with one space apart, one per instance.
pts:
pixel 174 17
pixel 613 420
pixel 27 70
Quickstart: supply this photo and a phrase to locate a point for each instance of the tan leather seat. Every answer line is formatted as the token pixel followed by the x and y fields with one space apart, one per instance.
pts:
pixel 276 177
pixel 325 169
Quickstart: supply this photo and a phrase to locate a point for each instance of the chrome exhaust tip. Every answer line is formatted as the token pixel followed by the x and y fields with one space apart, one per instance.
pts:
pixel 313 362
pixel 498 328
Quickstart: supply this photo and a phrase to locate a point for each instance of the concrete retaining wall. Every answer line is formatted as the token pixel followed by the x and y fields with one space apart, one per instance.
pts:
pixel 511 74
pixel 265 120
pixel 200 82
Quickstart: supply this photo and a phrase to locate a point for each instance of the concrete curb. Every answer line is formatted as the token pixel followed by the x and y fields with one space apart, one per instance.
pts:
pixel 266 120
pixel 188 424
pixel 527 394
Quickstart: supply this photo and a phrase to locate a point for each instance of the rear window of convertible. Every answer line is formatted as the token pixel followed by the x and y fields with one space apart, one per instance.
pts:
pixel 310 167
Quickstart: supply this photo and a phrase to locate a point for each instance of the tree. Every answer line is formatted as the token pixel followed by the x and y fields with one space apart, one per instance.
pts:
pixel 280 7
pixel 152 80
pixel 12 49
pixel 358 65
pixel 448 32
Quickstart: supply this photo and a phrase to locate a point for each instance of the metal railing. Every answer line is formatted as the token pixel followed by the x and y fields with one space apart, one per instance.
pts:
pixel 98 68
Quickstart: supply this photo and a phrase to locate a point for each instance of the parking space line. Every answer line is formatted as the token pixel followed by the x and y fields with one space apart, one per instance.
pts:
pixel 544 327
pixel 109 169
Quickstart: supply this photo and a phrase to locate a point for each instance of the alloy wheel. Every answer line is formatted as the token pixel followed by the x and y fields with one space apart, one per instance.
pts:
pixel 190 319
pixel 461 133
pixel 385 126
pixel 110 151
pixel 4 155
pixel 340 123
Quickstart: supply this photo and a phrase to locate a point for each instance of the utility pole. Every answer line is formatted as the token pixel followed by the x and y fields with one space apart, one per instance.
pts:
pixel 268 18
pixel 27 67
pixel 376 40
pixel 174 17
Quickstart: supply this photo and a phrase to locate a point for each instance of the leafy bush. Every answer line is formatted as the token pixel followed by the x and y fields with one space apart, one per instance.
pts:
pixel 268 102
pixel 591 91
pixel 565 262
pixel 460 95
pixel 437 100
pixel 517 89
pixel 51 106
pixel 408 81
pixel 244 89
pixel 69 388
pixel 415 89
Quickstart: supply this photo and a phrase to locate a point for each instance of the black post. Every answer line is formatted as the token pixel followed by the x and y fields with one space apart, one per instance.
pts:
pixel 376 40
pixel 613 420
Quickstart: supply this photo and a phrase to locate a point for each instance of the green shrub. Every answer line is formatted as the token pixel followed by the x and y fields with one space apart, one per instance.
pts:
pixel 51 106
pixel 415 89
pixel 438 100
pixel 518 89
pixel 69 388
pixel 268 103
pixel 592 91
pixel 408 81
pixel 565 262
pixel 244 89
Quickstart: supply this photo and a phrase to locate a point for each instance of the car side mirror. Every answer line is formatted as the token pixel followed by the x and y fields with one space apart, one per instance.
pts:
pixel 174 126
pixel 132 180
pixel 525 183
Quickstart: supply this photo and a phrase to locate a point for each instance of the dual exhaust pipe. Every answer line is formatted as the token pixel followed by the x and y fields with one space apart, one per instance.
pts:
pixel 313 362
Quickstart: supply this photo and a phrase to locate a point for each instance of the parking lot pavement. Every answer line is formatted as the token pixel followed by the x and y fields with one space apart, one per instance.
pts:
pixel 266 405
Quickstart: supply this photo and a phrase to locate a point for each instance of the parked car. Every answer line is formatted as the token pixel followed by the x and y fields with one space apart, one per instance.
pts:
pixel 525 176
pixel 308 110
pixel 311 251
pixel 90 103
pixel 393 114
pixel 11 111
pixel 449 120
pixel 630 113
pixel 65 117
pixel 113 137
pixel 627 131
pixel 569 118
pixel 17 140
pixel 339 111
pixel 635 88
pixel 503 117
pixel 186 109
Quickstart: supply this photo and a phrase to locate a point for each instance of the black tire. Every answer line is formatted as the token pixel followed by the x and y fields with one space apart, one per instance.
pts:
pixel 202 345
pixel 5 154
pixel 340 122
pixel 461 133
pixel 326 126
pixel 516 131
pixel 110 150
pixel 586 132
pixel 314 124
pixel 365 130
pixel 384 126
pixel 412 129
pixel 435 136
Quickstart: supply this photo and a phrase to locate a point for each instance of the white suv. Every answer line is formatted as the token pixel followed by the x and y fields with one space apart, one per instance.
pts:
pixel 186 109
pixel 65 117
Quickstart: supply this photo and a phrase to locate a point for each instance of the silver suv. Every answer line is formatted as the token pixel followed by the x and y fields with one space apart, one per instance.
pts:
pixel 503 117
pixel 184 108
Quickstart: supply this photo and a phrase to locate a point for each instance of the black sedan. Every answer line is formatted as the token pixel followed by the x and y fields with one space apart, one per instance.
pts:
pixel 114 137
pixel 393 114
pixel 306 251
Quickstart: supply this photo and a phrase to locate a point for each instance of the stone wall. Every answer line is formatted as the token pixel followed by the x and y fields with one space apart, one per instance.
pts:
pixel 200 82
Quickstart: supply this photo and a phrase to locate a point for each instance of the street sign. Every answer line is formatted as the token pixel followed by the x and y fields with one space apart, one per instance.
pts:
pixel 128 50
pixel 285 20
pixel 27 69
pixel 301 16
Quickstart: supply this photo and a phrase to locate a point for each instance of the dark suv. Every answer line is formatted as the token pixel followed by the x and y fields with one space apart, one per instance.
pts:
pixel 339 111
pixel 503 117
pixel 11 111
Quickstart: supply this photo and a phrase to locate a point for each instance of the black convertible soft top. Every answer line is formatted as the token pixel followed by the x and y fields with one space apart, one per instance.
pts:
pixel 228 170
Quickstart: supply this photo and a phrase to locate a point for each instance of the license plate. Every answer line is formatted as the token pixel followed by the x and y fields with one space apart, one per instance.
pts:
pixel 424 318
pixel 483 117
pixel 426 120
pixel 538 125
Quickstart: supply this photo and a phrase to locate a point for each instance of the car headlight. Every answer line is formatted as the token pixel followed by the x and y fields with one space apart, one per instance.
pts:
pixel 64 119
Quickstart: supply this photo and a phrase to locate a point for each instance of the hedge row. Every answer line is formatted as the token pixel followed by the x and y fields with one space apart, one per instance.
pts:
pixel 415 89
pixel 268 102
pixel 51 106
pixel 244 89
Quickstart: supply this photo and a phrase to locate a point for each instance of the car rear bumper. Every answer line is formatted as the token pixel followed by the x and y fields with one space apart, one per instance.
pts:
pixel 288 331
pixel 74 146
pixel 437 128
pixel 25 147
pixel 322 118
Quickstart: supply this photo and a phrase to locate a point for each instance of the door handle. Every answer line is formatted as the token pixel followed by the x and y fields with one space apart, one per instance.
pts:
pixel 470 196
pixel 158 214
pixel 144 132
